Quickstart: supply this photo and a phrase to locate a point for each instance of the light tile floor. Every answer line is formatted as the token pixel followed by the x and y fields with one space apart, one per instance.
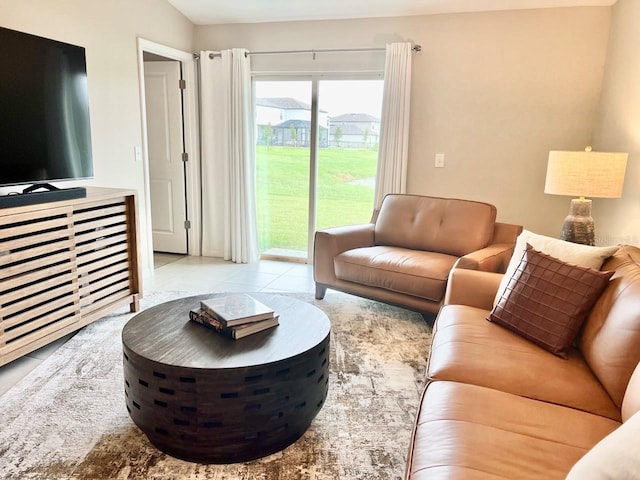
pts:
pixel 196 275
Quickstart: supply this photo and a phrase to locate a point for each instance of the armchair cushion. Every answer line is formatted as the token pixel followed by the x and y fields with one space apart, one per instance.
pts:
pixel 547 300
pixel 413 272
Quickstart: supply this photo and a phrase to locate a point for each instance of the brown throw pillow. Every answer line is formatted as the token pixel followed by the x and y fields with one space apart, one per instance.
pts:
pixel 547 300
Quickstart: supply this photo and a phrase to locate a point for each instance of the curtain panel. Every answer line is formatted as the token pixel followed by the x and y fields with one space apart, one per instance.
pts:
pixel 229 228
pixel 393 153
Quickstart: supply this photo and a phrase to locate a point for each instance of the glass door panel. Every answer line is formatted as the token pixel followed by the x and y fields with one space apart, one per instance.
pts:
pixel 349 128
pixel 283 131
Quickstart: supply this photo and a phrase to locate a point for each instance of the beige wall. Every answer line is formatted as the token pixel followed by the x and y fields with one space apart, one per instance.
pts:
pixel 618 126
pixel 492 91
pixel 108 30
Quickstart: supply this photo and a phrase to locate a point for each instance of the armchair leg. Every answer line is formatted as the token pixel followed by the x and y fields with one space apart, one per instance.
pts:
pixel 321 290
pixel 429 318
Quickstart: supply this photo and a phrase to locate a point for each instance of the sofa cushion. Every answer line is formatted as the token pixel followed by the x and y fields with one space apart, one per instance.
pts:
pixel 615 457
pixel 466 348
pixel 445 225
pixel 412 272
pixel 547 300
pixel 583 255
pixel 610 339
pixel 465 431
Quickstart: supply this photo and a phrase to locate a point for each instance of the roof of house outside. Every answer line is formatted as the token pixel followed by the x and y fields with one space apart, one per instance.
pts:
pixel 354 117
pixel 347 129
pixel 295 123
pixel 285 103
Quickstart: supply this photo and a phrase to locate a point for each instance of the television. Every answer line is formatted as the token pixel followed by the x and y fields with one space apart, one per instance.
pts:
pixel 44 112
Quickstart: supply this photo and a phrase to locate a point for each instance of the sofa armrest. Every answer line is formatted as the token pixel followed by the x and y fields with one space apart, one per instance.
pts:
pixel 330 242
pixel 493 258
pixel 472 288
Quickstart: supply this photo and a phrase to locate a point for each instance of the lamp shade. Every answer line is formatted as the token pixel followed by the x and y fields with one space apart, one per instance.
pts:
pixel 586 174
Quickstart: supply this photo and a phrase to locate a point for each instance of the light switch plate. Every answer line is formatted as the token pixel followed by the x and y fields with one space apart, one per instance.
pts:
pixel 439 160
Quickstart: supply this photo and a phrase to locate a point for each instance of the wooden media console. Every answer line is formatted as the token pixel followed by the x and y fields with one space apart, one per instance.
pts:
pixel 64 265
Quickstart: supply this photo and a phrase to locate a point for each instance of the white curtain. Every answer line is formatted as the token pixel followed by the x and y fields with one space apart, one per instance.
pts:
pixel 228 157
pixel 391 176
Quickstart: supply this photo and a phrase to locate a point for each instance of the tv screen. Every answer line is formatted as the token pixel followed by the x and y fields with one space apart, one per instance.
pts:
pixel 44 110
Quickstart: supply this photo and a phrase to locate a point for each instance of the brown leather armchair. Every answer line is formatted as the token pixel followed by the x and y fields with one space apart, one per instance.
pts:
pixel 404 256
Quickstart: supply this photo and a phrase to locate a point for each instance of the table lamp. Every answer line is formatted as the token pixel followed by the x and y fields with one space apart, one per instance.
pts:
pixel 584 174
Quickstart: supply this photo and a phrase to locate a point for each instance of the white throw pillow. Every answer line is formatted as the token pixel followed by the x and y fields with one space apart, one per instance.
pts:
pixel 615 457
pixel 578 254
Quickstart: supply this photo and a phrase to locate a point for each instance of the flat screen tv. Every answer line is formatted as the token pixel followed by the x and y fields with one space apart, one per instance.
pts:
pixel 44 111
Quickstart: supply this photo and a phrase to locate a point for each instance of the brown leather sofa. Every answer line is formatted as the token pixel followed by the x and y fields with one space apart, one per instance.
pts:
pixel 497 406
pixel 404 256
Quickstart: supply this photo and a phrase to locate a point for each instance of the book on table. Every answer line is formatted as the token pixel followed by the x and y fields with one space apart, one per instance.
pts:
pixel 236 309
pixel 199 315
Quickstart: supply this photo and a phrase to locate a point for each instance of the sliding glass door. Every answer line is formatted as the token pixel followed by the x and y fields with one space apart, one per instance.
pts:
pixel 316 155
pixel 283 138
pixel 348 156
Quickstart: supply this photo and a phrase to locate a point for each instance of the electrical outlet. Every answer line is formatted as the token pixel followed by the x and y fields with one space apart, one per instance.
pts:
pixel 439 160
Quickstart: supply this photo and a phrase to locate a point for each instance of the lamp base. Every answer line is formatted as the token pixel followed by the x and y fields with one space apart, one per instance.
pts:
pixel 578 226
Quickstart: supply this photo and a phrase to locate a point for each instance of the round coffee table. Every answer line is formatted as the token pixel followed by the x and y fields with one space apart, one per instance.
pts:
pixel 205 398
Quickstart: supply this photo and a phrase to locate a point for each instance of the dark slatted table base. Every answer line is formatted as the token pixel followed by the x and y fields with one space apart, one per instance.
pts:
pixel 226 415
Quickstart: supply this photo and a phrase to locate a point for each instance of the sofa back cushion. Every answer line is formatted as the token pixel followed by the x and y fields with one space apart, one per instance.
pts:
pixel 610 339
pixel 444 225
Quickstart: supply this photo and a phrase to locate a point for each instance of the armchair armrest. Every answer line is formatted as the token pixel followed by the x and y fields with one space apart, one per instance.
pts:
pixel 493 258
pixel 472 288
pixel 330 242
pixel 506 232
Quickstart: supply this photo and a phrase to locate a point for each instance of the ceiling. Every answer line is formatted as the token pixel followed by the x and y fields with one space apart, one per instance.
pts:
pixel 209 12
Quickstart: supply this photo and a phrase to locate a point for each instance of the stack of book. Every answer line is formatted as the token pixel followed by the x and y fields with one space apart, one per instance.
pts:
pixel 234 316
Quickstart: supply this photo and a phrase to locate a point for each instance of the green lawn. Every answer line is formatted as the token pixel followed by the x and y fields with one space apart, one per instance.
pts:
pixel 283 189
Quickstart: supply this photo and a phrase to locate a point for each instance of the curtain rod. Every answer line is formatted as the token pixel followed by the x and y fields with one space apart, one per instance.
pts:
pixel 415 48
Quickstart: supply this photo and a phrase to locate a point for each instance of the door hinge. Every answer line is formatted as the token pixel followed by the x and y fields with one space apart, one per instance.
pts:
pixel 182 84
pixel 185 157
pixel 187 224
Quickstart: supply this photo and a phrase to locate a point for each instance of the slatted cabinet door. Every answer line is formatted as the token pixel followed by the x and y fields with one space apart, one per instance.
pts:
pixel 64 265
pixel 39 292
pixel 103 254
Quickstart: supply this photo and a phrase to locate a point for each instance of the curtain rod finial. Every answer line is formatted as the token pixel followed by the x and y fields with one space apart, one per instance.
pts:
pixel 417 48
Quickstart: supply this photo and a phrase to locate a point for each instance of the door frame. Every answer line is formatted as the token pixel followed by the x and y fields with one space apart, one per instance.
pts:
pixel 190 119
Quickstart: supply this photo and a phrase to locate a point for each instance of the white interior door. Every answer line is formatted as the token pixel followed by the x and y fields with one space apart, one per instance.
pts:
pixel 165 147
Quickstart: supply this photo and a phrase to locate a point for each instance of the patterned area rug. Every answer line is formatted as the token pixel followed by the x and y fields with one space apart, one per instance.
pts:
pixel 67 419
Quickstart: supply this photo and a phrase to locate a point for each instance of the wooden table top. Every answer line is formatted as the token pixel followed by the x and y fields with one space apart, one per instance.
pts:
pixel 164 334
